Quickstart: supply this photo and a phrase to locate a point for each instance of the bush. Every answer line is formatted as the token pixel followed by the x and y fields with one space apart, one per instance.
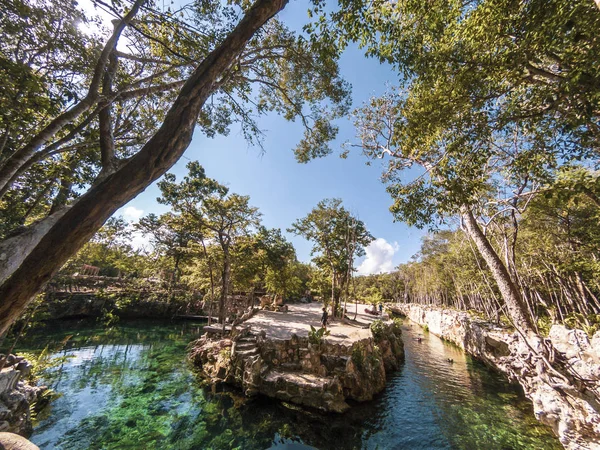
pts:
pixel 379 329
pixel 315 336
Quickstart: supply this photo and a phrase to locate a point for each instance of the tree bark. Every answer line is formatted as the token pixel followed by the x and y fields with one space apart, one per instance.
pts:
pixel 225 285
pixel 49 243
pixel 512 298
pixel 332 291
pixel 212 280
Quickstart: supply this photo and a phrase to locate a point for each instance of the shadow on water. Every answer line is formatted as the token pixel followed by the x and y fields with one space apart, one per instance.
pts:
pixel 129 387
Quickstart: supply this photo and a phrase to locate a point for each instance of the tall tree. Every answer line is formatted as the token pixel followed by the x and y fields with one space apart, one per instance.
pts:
pixel 171 236
pixel 228 216
pixel 338 237
pixel 207 56
pixel 496 96
pixel 208 208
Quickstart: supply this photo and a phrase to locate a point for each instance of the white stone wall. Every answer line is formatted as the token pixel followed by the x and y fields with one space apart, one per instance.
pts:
pixel 572 412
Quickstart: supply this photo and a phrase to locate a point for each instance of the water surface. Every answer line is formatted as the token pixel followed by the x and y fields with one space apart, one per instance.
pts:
pixel 129 387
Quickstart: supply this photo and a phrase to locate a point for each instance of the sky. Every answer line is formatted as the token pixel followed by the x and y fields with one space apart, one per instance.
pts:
pixel 285 190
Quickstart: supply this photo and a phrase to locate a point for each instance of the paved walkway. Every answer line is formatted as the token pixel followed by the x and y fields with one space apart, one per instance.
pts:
pixel 299 318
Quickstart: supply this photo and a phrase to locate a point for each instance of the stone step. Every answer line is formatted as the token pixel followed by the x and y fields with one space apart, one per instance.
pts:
pixel 246 353
pixel 247 339
pixel 245 345
pixel 291 366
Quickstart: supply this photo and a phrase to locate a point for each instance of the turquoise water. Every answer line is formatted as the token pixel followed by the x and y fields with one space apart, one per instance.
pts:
pixel 129 387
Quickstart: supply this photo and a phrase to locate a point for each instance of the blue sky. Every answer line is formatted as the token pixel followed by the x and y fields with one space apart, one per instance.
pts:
pixel 285 190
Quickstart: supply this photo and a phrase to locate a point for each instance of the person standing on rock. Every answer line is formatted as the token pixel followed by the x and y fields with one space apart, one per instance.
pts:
pixel 380 309
pixel 324 318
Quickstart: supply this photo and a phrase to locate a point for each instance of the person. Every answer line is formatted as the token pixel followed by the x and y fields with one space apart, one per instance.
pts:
pixel 324 318
pixel 380 309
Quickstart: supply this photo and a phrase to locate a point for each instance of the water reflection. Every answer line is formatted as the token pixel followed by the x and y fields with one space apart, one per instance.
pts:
pixel 129 387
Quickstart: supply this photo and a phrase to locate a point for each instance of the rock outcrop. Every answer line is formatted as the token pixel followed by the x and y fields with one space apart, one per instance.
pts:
pixel 11 441
pixel 317 373
pixel 125 304
pixel 573 413
pixel 16 396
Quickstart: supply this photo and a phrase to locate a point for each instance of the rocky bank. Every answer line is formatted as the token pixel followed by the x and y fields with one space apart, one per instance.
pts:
pixel 303 369
pixel 573 416
pixel 16 396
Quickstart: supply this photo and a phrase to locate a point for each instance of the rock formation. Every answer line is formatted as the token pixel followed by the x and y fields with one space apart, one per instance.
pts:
pixel 16 396
pixel 11 441
pixel 309 371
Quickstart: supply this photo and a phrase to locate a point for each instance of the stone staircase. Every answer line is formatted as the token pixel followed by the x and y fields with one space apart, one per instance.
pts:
pixel 246 347
pixel 249 364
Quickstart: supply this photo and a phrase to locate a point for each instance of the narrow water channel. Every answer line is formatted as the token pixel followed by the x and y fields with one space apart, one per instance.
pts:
pixel 128 387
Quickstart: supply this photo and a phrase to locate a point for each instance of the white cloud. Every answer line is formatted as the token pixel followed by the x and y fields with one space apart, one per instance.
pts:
pixel 378 258
pixel 131 213
pixel 140 242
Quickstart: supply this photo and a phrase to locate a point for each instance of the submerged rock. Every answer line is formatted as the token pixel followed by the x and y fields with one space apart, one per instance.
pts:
pixel 319 375
pixel 573 413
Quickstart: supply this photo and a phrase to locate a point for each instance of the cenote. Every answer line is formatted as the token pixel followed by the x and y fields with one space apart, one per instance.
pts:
pixel 129 386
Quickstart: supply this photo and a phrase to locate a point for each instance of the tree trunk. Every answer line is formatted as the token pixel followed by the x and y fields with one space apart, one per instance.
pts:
pixel 332 292
pixel 26 268
pixel 212 281
pixel 225 285
pixel 510 294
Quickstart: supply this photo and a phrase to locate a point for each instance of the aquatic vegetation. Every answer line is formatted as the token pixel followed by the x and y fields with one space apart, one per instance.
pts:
pixel 129 387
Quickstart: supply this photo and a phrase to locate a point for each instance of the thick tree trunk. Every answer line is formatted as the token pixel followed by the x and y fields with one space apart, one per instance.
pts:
pixel 512 298
pixel 25 269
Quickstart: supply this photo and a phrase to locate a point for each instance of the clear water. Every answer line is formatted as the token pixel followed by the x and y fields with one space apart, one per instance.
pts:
pixel 129 387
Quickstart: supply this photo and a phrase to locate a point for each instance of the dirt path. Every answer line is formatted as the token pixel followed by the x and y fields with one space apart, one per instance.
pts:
pixel 299 318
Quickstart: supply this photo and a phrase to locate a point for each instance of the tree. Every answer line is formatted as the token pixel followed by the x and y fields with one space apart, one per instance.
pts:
pixel 226 62
pixel 207 207
pixel 110 250
pixel 337 237
pixel 228 216
pixel 171 236
pixel 277 257
pixel 495 99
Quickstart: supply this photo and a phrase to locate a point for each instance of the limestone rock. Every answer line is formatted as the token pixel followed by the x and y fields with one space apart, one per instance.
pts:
pixel 574 419
pixel 11 441
pixel 321 376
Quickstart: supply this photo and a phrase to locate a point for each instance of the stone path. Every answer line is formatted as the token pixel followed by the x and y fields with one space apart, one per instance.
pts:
pixel 299 318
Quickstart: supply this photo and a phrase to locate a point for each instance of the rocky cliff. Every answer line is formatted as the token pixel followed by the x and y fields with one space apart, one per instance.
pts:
pixel 304 370
pixel 572 412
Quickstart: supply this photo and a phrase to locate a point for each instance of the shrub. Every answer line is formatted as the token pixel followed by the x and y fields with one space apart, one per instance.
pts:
pixel 379 329
pixel 315 336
